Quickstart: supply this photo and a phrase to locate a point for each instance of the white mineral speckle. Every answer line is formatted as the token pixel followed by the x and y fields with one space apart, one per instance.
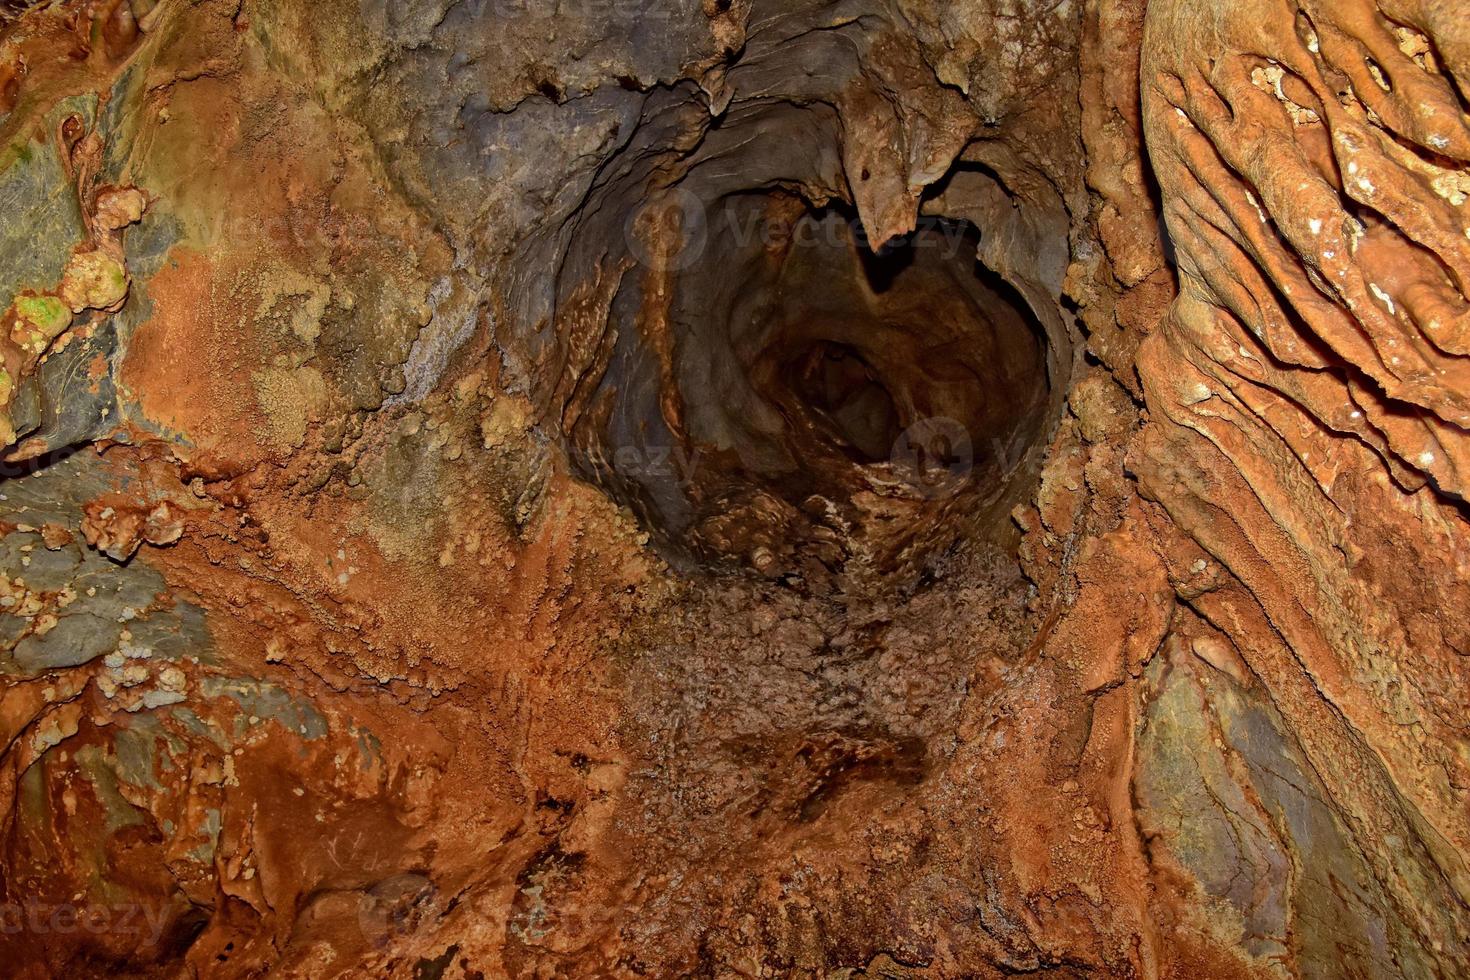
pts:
pixel 1384 297
pixel 1255 204
pixel 1196 393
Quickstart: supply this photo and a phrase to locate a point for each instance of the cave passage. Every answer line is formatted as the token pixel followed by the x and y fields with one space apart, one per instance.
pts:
pixel 814 394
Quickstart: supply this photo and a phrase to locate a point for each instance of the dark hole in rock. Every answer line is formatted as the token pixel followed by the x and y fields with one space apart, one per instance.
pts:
pixel 841 388
pixel 784 396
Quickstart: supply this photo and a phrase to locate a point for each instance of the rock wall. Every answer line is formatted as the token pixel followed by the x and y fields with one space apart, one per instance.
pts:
pixel 875 488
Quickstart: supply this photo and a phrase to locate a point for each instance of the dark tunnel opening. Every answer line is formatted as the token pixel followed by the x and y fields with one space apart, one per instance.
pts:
pixel 808 397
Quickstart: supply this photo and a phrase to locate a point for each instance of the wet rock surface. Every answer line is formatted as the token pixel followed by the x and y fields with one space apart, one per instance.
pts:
pixel 733 488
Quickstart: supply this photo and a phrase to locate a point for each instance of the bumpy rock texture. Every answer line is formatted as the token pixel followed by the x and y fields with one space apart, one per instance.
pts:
pixel 741 488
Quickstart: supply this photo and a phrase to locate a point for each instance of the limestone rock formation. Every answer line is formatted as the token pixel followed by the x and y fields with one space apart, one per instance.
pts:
pixel 734 488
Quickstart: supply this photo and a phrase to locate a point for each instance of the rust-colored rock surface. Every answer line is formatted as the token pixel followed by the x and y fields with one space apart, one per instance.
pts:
pixel 740 488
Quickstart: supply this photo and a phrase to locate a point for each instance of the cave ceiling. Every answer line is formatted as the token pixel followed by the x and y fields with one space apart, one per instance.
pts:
pixel 734 488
